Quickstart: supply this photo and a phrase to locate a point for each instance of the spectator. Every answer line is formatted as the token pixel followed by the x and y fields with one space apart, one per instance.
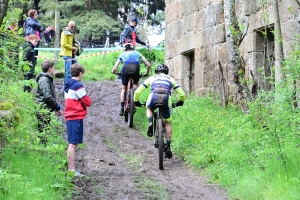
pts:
pixel 48 34
pixel 29 55
pixel 45 96
pixel 76 103
pixel 68 48
pixel 129 35
pixel 32 26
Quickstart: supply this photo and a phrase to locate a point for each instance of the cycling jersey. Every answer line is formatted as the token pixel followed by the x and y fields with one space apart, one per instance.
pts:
pixel 129 57
pixel 131 66
pixel 161 86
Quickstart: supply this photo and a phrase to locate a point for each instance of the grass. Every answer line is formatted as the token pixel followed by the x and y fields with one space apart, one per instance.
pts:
pixel 98 67
pixel 135 162
pixel 156 191
pixel 253 156
pixel 31 175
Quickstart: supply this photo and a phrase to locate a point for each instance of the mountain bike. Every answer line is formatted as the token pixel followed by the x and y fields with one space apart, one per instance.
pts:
pixel 129 103
pixel 160 141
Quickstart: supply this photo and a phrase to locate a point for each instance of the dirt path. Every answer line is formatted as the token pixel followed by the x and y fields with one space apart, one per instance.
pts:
pixel 120 163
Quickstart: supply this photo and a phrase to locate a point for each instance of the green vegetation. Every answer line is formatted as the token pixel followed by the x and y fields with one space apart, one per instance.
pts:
pixel 99 65
pixel 30 169
pixel 253 156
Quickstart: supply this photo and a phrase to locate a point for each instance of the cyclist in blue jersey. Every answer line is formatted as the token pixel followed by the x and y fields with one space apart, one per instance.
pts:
pixel 161 85
pixel 131 67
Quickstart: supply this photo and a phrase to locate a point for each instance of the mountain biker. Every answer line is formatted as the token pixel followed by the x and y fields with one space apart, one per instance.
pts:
pixel 161 85
pixel 131 67
pixel 129 35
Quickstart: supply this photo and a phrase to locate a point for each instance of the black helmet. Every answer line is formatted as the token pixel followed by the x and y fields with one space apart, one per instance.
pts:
pixel 162 68
pixel 128 46
pixel 134 19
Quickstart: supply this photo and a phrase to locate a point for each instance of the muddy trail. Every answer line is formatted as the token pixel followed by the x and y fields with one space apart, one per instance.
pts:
pixel 120 163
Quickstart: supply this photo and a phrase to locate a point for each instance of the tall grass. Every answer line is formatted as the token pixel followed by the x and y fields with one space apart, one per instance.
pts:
pixel 239 152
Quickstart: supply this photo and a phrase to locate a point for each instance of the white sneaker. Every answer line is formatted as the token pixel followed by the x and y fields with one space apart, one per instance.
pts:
pixel 78 174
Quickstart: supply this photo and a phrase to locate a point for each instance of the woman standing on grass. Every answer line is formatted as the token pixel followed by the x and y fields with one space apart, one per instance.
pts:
pixel 32 26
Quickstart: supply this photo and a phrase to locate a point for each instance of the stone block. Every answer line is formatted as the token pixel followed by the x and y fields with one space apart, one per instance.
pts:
pixel 187 22
pixel 288 10
pixel 218 33
pixel 171 64
pixel 210 16
pixel 171 49
pixel 199 20
pixel 248 7
pixel 222 53
pixel 178 67
pixel 248 43
pixel 289 32
pixel 187 42
pixel 190 7
pixel 219 7
pixel 175 31
pixel 173 12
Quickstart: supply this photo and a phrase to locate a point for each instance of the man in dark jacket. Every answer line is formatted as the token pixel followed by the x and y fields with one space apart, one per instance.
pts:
pixel 129 35
pixel 45 95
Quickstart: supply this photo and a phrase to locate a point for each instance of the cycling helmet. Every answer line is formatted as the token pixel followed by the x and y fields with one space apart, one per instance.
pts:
pixel 128 46
pixel 162 68
pixel 134 19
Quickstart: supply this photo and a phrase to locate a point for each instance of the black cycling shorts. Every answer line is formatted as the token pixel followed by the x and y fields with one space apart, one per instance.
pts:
pixel 129 70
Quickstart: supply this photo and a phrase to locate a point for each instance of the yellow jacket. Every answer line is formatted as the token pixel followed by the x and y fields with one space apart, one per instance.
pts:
pixel 66 42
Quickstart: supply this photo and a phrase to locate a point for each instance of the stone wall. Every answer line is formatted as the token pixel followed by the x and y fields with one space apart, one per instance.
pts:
pixel 196 49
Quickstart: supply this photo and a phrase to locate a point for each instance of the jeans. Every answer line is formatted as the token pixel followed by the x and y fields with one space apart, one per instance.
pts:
pixel 68 62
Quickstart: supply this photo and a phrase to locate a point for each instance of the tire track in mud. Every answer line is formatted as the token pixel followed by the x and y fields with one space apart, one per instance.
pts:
pixel 120 163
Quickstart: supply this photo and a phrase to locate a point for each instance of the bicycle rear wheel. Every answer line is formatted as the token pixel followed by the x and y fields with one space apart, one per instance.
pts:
pixel 131 108
pixel 161 144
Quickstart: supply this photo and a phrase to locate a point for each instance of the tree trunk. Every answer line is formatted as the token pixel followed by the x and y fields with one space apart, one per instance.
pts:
pixel 3 8
pixel 278 45
pixel 233 38
pixel 57 29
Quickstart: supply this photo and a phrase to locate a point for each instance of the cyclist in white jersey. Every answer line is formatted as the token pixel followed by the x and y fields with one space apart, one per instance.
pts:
pixel 161 85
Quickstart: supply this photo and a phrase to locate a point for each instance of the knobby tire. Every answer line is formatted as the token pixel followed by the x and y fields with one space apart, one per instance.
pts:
pixel 126 103
pixel 131 108
pixel 160 144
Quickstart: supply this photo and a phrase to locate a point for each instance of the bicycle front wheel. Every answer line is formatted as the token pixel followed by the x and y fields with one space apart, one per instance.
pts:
pixel 131 108
pixel 161 144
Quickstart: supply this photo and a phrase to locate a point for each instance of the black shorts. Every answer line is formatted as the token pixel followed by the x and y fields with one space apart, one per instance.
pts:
pixel 130 70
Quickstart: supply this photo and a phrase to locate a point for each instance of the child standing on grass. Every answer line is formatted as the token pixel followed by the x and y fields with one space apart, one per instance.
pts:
pixel 76 103
pixel 45 95
pixel 29 55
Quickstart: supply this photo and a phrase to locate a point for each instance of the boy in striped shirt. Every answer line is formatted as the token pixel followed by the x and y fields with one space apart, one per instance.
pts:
pixel 76 103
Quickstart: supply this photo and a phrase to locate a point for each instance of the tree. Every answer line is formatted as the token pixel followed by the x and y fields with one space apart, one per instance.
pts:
pixel 234 36
pixel 3 8
pixel 278 45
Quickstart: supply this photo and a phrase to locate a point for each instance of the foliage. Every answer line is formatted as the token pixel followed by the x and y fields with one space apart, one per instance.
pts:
pixel 97 20
pixel 28 168
pixel 253 155
pixel 93 17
